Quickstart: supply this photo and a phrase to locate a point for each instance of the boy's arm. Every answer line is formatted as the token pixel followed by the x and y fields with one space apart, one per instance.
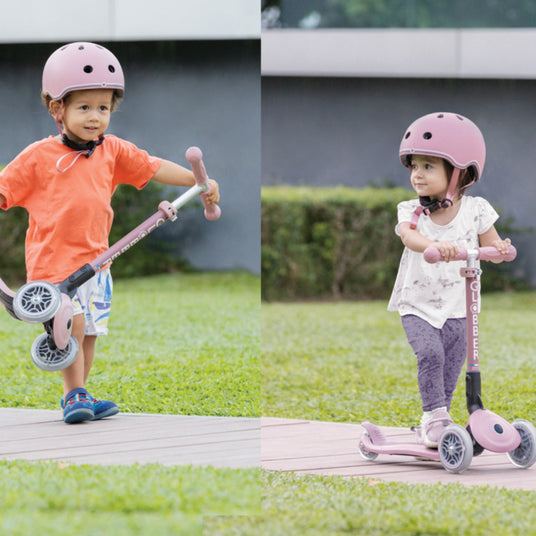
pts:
pixel 415 241
pixel 176 175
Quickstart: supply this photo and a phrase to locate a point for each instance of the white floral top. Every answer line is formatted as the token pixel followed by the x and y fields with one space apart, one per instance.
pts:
pixel 436 292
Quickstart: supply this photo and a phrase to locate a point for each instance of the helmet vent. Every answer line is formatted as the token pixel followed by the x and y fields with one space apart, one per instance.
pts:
pixel 408 134
pixel 81 47
pixel 460 117
pixel 88 69
pixel 440 116
pixel 427 135
pixel 111 68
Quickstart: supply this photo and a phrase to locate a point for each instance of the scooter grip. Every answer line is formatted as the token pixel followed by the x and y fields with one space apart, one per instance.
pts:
pixel 195 158
pixel 488 253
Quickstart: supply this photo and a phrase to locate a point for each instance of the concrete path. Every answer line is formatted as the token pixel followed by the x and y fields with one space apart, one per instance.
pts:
pixel 328 448
pixel 130 438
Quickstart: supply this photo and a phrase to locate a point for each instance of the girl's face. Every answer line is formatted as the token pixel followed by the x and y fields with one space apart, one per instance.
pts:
pixel 86 114
pixel 429 176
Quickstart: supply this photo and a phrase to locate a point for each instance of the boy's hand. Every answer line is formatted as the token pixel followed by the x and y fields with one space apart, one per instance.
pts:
pixel 213 195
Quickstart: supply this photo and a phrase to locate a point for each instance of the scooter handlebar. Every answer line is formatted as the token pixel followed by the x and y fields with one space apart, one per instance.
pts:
pixel 195 158
pixel 488 253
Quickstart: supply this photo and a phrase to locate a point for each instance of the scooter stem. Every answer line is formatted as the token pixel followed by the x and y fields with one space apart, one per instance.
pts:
pixel 471 273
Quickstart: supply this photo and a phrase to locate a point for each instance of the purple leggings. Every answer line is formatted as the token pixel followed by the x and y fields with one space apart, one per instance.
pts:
pixel 440 356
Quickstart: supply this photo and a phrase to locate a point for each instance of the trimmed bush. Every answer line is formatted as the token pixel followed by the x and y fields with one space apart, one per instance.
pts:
pixel 338 243
pixel 329 242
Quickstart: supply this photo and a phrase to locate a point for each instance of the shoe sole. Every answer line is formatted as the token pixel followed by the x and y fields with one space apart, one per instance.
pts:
pixel 79 415
pixel 108 413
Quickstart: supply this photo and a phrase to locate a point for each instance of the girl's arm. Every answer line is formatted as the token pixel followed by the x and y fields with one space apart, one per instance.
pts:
pixel 2 200
pixel 491 238
pixel 176 175
pixel 415 241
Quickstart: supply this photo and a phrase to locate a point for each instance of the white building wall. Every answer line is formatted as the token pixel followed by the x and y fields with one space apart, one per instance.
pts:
pixel 420 53
pixel 31 21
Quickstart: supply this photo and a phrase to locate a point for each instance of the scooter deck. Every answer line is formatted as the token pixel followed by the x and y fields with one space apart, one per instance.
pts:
pixel 6 298
pixel 376 441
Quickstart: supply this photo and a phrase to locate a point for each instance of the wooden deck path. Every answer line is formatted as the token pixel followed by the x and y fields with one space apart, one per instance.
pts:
pixel 324 448
pixel 130 438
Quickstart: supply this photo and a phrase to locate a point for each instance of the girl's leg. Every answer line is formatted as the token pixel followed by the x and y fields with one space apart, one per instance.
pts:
pixel 73 375
pixel 454 342
pixel 427 345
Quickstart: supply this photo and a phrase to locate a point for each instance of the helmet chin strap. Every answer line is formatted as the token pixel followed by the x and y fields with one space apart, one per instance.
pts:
pixel 85 149
pixel 429 205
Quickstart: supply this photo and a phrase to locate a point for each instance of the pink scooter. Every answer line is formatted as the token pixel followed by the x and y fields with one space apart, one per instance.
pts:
pixel 43 302
pixel 484 429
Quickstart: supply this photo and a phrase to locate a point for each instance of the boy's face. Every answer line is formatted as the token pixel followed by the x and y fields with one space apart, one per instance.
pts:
pixel 429 176
pixel 86 114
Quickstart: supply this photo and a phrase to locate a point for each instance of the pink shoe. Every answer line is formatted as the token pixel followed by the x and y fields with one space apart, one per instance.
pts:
pixel 432 427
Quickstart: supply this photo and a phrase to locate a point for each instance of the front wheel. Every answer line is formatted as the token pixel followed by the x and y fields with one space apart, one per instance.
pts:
pixel 525 454
pixel 47 356
pixel 455 448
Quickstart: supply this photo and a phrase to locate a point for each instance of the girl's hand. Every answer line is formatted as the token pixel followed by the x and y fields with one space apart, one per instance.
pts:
pixel 213 195
pixel 448 250
pixel 502 245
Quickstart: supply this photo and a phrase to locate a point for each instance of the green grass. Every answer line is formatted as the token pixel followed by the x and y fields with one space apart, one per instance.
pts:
pixel 178 344
pixel 334 506
pixel 350 362
pixel 145 500
pixel 185 344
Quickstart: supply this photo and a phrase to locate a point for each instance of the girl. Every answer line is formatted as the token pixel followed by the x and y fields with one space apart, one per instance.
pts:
pixel 66 183
pixel 445 153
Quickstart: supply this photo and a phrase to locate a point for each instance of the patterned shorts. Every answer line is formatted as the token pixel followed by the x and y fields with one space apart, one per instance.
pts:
pixel 93 300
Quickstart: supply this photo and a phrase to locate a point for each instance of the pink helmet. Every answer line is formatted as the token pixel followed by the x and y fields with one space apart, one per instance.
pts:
pixel 446 135
pixel 81 66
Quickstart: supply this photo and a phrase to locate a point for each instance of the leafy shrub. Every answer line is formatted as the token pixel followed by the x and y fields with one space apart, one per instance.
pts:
pixel 337 243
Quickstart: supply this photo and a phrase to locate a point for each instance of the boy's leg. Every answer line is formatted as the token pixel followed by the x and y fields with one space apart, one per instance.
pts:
pixel 101 408
pixel 89 354
pixel 73 375
pixel 77 407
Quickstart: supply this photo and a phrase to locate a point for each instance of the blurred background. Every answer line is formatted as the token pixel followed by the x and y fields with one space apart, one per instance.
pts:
pixel 192 78
pixel 342 80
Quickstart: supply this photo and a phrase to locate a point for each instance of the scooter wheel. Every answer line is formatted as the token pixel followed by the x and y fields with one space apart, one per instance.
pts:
pixel 455 449
pixel 367 454
pixel 47 356
pixel 37 302
pixel 525 454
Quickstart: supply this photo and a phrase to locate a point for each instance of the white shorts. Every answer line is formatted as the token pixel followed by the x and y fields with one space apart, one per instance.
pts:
pixel 93 300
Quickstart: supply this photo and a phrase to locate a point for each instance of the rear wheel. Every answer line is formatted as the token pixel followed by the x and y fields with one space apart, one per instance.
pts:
pixel 37 302
pixel 367 454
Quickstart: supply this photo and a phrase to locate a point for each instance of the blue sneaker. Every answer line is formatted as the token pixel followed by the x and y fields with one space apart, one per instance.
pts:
pixel 77 406
pixel 103 408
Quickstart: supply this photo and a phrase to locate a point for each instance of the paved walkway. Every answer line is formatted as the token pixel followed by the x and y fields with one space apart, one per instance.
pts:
pixel 325 448
pixel 130 438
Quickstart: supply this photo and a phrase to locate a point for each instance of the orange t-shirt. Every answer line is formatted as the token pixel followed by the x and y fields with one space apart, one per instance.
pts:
pixel 70 215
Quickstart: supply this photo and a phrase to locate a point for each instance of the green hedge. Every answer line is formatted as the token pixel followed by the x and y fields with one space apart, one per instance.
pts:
pixel 337 243
pixel 131 207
